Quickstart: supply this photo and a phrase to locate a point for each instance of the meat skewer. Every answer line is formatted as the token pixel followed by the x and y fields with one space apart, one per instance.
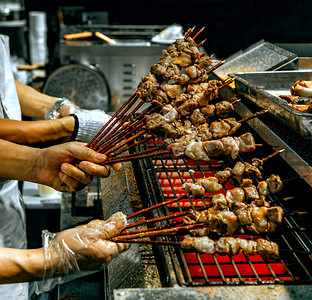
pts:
pixel 228 218
pixel 231 246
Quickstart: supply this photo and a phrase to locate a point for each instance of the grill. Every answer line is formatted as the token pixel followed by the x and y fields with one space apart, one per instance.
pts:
pixel 163 178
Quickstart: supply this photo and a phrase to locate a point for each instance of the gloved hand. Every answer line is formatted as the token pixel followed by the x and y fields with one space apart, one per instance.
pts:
pixel 88 124
pixel 61 108
pixel 83 248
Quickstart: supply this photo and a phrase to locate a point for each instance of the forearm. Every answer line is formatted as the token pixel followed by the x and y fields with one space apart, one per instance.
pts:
pixel 33 103
pixel 19 162
pixel 37 132
pixel 21 265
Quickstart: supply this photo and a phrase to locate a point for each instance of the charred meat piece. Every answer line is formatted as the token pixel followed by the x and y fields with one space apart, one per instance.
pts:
pixel 187 107
pixel 210 184
pixel 275 183
pixel 224 175
pixel 208 110
pixel 203 132
pixel 196 189
pixel 219 129
pixel 196 151
pixel 224 108
pixel 267 250
pixel 147 87
pixel 275 214
pixel 197 117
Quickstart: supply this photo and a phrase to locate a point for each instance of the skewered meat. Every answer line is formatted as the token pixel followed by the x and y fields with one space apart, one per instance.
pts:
pixel 302 88
pixel 197 190
pixel 224 108
pixel 210 184
pixel 224 175
pixel 226 217
pixel 197 118
pixel 251 192
pixel 275 183
pixel 208 110
pixel 267 250
pixel 219 129
pixel 203 132
pixel 236 194
pixel 169 113
pixel 231 246
pixel 196 151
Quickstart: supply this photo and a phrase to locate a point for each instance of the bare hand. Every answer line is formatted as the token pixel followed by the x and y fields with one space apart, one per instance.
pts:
pixel 56 168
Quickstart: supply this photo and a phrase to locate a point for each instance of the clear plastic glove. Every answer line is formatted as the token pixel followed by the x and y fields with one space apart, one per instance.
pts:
pixel 72 252
pixel 61 108
pixel 89 123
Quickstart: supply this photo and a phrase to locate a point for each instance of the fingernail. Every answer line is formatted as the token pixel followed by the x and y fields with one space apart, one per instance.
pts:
pixel 100 156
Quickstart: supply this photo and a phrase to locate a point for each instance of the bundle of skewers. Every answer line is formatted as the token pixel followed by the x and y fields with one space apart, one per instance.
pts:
pixel 184 111
pixel 231 223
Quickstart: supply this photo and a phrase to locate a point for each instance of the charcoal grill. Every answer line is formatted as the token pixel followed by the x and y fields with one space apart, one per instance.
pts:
pixel 241 274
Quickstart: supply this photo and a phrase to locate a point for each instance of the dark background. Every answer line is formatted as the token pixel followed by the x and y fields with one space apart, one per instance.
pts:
pixel 231 25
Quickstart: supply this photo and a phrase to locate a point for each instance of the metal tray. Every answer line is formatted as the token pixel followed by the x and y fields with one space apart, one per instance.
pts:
pixel 263 88
pixel 261 56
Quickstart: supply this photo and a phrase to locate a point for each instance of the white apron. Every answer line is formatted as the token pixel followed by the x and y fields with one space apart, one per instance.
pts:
pixel 12 212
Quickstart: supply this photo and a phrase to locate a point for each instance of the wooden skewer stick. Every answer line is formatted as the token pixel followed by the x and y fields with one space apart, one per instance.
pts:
pixel 174 223
pixel 164 232
pixel 121 133
pixel 123 143
pixel 172 216
pixel 133 157
pixel 272 155
pixel 253 115
pixel 201 30
pixel 150 242
pixel 114 156
pixel 235 101
pixel 113 120
pixel 189 32
pixel 216 66
pixel 113 131
pixel 156 206
pixel 133 145
pixel 226 82
pixel 201 43
pixel 118 141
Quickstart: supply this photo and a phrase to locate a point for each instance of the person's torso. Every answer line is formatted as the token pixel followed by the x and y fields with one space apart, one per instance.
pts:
pixel 12 213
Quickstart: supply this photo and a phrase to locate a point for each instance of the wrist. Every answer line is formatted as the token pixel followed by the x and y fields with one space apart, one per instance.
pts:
pixel 62 107
pixel 32 263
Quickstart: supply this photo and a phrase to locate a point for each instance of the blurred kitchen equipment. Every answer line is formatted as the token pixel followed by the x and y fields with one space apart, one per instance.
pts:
pixel 38 37
pixel 123 64
pixel 84 85
pixel 11 9
pixel 13 24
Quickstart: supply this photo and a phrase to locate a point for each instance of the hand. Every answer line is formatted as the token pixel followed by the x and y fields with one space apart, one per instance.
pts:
pixel 55 169
pixel 85 247
pixel 89 123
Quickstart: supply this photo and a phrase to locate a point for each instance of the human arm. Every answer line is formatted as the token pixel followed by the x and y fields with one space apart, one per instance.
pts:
pixel 86 247
pixel 33 103
pixel 52 166
pixel 37 132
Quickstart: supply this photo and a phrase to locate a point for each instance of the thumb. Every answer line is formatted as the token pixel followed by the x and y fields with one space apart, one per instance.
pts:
pixel 112 227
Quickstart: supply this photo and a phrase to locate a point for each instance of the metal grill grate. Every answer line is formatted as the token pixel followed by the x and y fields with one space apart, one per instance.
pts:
pixel 163 180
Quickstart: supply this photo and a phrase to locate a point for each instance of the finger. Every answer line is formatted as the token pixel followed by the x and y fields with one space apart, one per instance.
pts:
pixel 117 167
pixel 122 247
pixel 94 169
pixel 70 184
pixel 110 229
pixel 76 173
pixel 84 153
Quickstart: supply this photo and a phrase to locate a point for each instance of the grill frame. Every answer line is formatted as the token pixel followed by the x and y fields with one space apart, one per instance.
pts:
pixel 177 267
